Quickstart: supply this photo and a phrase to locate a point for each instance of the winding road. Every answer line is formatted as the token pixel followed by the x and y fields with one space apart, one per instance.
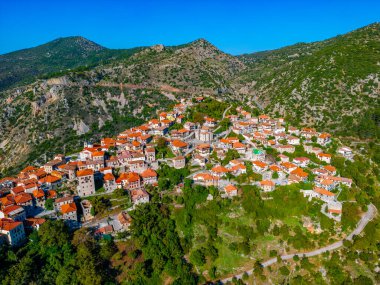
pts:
pixel 225 111
pixel 369 215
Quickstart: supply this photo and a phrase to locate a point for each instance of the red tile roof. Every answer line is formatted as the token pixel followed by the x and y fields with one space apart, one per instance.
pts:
pixel 179 144
pixel 23 198
pixel 8 224
pixel 267 183
pixel 219 169
pixel 11 208
pixel 323 191
pixel 85 172
pixel 38 193
pixel 108 177
pixel 230 188
pixel 50 179
pixel 148 173
pixel 68 208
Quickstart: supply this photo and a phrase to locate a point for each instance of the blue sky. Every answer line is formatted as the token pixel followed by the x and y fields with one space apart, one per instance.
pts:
pixel 233 26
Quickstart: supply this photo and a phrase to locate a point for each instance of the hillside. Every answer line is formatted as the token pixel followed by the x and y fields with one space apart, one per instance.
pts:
pixel 195 67
pixel 332 84
pixel 50 111
pixel 54 57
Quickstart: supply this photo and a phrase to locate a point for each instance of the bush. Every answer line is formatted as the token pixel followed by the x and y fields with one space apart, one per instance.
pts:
pixel 284 271
pixel 197 257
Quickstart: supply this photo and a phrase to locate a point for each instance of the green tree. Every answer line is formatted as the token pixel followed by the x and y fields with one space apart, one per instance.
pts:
pixel 198 257
pixel 49 204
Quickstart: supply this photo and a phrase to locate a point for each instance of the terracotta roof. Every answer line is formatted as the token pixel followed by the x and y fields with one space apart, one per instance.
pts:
pixel 132 177
pixel 145 137
pixel 143 128
pixel 203 146
pixel 8 224
pixel 259 163
pixel 205 176
pixel 238 166
pixel 148 173
pixel 104 230
pixel 330 168
pixel 179 144
pixel 18 190
pixel 267 183
pixel 230 188
pixel 150 149
pixel 40 172
pixel 288 165
pixel 28 169
pixel 274 168
pixel 299 172
pixel 68 208
pixel 52 194
pixel 38 193
pixel 23 198
pixel 64 199
pixel 238 145
pixel 327 182
pixel 108 177
pixel 308 129
pixel 134 135
pixel 30 185
pixel 7 200
pixel 166 121
pixel 105 168
pixel 334 211
pixel 219 169
pixel 85 172
pixel 7 179
pixel 324 155
pixel 182 131
pixel 324 135
pixel 323 191
pixel 154 121
pixel 340 179
pixel 32 222
pixel 12 208
pixel 49 179
pixel 98 153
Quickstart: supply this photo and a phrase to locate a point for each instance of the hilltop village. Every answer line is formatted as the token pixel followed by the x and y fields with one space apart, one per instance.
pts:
pixel 220 153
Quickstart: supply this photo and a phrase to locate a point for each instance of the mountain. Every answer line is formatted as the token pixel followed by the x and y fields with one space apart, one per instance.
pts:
pixel 333 83
pixel 53 57
pixel 58 114
pixel 95 91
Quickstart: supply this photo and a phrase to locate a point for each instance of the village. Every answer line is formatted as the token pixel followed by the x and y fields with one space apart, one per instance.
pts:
pixel 217 156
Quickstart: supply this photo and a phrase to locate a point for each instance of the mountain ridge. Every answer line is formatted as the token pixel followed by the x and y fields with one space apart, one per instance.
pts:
pixel 331 84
